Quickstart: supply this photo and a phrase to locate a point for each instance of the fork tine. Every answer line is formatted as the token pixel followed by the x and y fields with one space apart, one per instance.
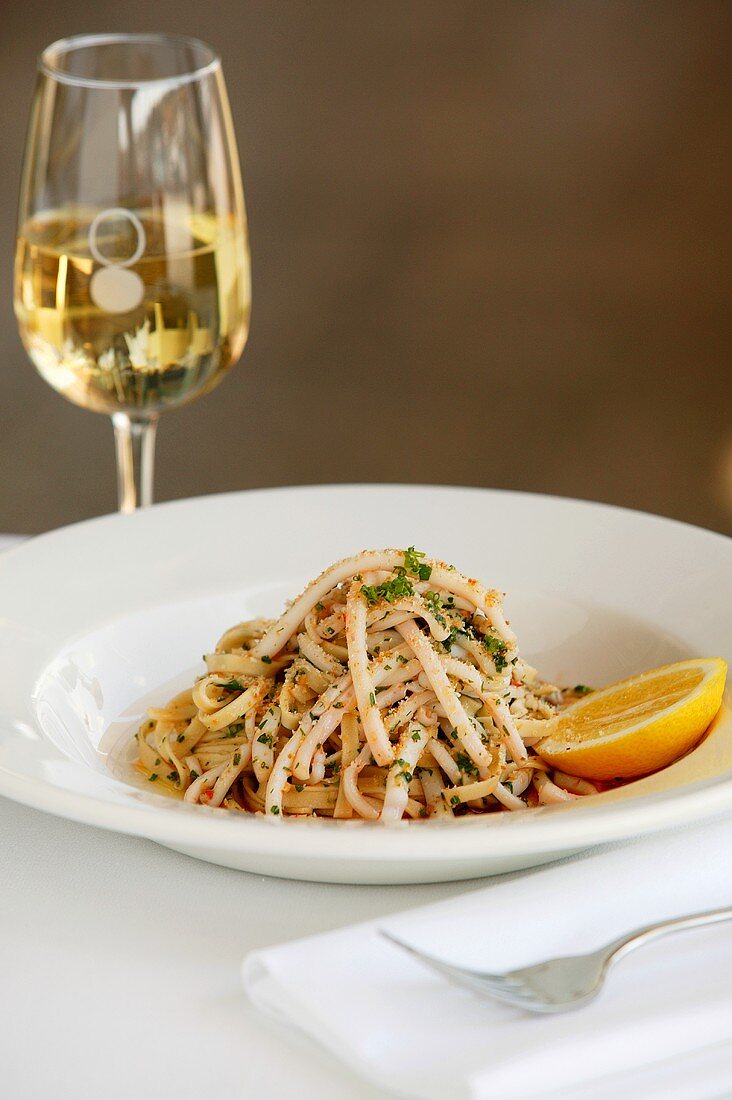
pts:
pixel 511 992
pixel 438 964
pixel 429 960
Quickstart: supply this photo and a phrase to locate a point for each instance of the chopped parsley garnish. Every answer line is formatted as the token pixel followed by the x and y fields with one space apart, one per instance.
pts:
pixel 497 649
pixel 265 739
pixel 266 660
pixel 416 735
pixel 413 565
pixel 319 606
pixel 274 810
pixel 455 800
pixel 372 699
pixel 405 773
pixel 194 774
pixel 172 776
pixel 433 602
pixel 402 659
pixel 314 717
pixel 231 685
pixel 237 758
pixel 181 737
pixel 508 785
pixel 152 778
pixel 394 589
pixel 299 787
pixel 582 689
pixel 158 760
pixel 465 764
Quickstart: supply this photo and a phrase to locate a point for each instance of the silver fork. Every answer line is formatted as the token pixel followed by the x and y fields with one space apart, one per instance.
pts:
pixel 558 985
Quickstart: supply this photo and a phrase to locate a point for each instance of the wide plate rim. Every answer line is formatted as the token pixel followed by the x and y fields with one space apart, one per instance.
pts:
pixel 206 498
pixel 534 834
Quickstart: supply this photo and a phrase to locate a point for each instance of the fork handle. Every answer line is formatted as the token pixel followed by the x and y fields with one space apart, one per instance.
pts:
pixel 631 940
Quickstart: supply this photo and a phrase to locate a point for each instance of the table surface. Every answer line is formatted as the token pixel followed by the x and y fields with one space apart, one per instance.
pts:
pixel 120 965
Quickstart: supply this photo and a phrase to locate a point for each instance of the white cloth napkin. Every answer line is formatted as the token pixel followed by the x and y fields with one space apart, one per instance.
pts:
pixel 662 1027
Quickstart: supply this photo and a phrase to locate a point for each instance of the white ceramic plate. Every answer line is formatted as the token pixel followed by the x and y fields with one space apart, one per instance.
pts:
pixel 102 618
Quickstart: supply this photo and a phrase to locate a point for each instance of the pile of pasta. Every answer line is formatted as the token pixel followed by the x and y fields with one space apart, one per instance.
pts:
pixel 391 687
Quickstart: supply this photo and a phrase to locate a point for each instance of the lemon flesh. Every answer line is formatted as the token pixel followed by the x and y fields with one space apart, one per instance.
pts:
pixel 638 725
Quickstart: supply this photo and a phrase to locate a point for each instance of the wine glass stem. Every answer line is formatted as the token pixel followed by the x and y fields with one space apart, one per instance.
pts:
pixel 134 438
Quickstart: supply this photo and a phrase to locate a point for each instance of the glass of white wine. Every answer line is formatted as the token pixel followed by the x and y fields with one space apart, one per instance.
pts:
pixel 132 283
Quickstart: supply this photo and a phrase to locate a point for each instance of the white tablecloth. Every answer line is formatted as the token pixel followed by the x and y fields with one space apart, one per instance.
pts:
pixel 120 969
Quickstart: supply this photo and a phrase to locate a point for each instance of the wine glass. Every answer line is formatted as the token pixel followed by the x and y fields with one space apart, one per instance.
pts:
pixel 132 284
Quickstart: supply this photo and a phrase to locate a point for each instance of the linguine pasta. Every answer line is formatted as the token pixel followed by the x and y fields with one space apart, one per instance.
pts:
pixel 392 687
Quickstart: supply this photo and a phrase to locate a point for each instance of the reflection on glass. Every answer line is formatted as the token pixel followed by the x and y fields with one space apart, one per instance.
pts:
pixel 132 288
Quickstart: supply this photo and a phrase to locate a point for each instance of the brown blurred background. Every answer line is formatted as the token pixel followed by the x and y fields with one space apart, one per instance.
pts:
pixel 490 247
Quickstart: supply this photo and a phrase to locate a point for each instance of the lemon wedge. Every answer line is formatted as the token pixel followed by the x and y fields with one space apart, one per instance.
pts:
pixel 638 725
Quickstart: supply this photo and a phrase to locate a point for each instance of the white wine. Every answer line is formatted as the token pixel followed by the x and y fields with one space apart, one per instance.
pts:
pixel 133 312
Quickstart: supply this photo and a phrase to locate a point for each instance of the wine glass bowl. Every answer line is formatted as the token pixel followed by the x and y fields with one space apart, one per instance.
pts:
pixel 132 282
